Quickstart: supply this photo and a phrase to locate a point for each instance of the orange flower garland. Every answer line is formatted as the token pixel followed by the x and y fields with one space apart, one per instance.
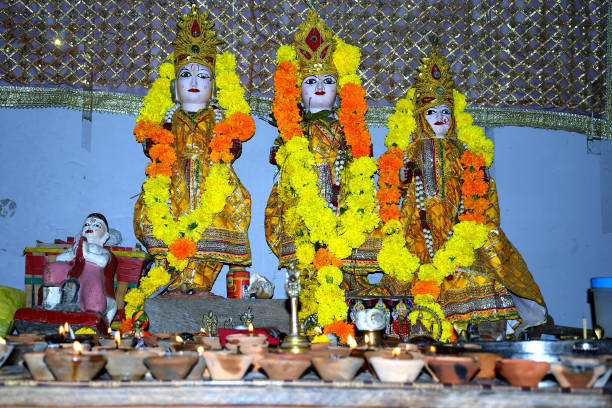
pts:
pixel 286 99
pixel 473 188
pixel 426 288
pixel 351 116
pixel 389 194
pixel 183 248
pixel 323 258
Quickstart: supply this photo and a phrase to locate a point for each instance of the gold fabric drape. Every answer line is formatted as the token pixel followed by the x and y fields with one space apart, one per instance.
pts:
pixel 534 63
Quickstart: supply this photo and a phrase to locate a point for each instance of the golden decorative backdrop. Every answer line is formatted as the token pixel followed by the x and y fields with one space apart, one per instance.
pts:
pixel 521 62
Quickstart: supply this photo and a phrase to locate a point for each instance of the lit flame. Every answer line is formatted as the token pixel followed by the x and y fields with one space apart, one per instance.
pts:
pixel 366 339
pixel 117 338
pixel 250 328
pixel 66 327
pixel 351 342
pixel 202 330
pixel 179 339
pixel 432 349
pixel 318 331
pixel 200 350
pixel 61 330
pixel 396 352
pixel 109 331
pixel 76 346
pixel 2 341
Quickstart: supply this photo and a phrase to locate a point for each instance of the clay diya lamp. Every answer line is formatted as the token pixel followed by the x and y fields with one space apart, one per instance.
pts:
pixel 116 342
pixel 577 372
pixel 128 365
pixel 75 366
pixel 26 338
pixel 5 350
pixel 337 368
pixel 245 340
pixel 184 347
pixel 258 352
pixel 452 369
pixel 487 364
pixel 20 349
pixel 285 366
pixel 209 342
pixel 171 366
pixel 331 351
pixel 399 367
pixel 522 373
pixel 37 366
pixel 224 365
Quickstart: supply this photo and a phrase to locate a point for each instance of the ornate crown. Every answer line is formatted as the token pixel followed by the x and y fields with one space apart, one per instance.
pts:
pixel 434 84
pixel 195 41
pixel 314 46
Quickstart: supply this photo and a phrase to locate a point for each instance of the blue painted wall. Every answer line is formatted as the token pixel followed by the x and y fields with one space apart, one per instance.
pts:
pixel 554 196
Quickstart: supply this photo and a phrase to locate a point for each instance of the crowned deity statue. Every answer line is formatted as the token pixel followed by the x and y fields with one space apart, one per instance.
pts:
pixel 444 223
pixel 321 214
pixel 194 213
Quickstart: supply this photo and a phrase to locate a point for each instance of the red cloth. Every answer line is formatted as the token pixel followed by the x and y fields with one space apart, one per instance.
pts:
pixel 55 317
pixel 272 341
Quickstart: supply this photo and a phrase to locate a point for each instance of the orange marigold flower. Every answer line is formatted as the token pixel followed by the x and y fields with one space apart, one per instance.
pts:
pixel 161 135
pixel 478 205
pixel 183 248
pixel 163 152
pixel 472 160
pixel 143 129
pixel 340 329
pixel 323 258
pixel 126 326
pixel 154 169
pixel 224 156
pixel 426 288
pixel 476 187
pixel 388 195
pixel 391 160
pixel 388 212
pixel 243 126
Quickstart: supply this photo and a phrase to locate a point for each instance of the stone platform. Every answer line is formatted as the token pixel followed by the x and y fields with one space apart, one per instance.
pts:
pixel 184 314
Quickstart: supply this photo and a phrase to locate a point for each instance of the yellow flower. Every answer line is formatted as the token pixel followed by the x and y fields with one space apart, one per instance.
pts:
pixel 346 58
pixel 475 233
pixel 329 274
pixel 286 53
pixel 459 101
pixel 166 70
pixel 304 253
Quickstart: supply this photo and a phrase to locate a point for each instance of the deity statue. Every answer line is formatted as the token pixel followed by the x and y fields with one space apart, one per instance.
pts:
pixel 200 132
pixel 310 117
pixel 82 278
pixel 444 182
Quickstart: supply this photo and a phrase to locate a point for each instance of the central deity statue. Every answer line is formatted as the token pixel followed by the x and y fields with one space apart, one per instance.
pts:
pixel 321 214
pixel 194 121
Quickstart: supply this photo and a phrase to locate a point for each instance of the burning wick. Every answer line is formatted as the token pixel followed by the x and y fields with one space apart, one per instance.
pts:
pixel 117 339
pixel 366 340
pixel 396 352
pixel 109 331
pixel 200 350
pixel 2 341
pixel 68 330
pixel 351 342
pixel 76 346
pixel 202 331
pixel 250 329
pixel 62 332
pixel 432 349
pixel 179 339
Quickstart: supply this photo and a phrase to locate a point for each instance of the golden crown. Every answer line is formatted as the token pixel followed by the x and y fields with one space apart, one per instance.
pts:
pixel 314 46
pixel 195 41
pixel 434 84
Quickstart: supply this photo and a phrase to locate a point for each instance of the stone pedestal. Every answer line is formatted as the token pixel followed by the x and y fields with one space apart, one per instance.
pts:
pixel 184 314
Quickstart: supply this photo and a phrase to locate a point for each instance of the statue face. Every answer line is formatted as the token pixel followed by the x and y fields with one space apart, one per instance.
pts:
pixel 439 118
pixel 194 85
pixel 318 92
pixel 94 229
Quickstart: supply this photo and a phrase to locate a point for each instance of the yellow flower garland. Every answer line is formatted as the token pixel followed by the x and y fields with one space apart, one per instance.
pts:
pixel 467 236
pixel 298 184
pixel 217 186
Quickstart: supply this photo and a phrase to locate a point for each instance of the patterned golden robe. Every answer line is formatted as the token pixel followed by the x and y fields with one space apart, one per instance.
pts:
pixel 326 142
pixel 226 240
pixel 498 285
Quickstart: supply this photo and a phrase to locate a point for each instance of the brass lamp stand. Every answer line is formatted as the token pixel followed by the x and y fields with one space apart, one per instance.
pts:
pixel 295 342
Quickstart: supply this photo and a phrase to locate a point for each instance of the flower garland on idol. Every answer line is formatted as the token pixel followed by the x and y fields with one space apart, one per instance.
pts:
pixel 310 221
pixel 181 235
pixel 467 235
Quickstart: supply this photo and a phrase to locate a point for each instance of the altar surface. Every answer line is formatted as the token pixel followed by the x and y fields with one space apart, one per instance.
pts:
pixel 304 393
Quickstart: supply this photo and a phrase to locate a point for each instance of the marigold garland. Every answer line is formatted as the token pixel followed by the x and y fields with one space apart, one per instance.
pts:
pixel 467 235
pixel 180 235
pixel 298 183
pixel 340 329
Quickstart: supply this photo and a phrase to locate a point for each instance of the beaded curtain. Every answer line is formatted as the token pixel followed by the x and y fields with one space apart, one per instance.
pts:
pixel 523 62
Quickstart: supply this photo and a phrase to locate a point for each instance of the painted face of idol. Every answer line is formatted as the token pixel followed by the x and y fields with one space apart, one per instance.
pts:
pixel 439 118
pixel 318 92
pixel 194 86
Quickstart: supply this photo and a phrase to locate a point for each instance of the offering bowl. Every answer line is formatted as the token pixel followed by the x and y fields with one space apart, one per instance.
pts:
pixel 337 368
pixel 172 366
pixel 74 367
pixel 224 365
pixel 522 373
